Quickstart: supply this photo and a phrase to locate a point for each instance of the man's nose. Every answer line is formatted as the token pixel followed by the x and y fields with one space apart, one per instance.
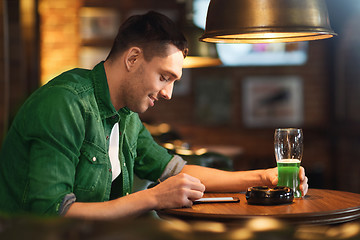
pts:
pixel 166 92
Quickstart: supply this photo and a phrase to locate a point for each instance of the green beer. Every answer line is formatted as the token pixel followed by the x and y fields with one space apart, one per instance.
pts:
pixel 288 174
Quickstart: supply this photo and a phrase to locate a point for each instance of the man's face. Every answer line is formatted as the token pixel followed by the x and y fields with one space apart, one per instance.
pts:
pixel 153 80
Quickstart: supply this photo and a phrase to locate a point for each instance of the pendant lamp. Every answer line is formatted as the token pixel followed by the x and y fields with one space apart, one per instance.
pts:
pixel 266 21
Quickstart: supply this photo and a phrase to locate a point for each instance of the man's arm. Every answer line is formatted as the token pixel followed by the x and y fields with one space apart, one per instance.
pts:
pixel 180 191
pixel 129 206
pixel 223 181
pixel 177 191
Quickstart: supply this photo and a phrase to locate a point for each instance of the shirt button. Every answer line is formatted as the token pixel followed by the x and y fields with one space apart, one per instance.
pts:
pixel 124 165
pixel 94 159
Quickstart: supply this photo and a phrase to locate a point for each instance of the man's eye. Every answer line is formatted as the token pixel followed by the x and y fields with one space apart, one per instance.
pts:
pixel 166 79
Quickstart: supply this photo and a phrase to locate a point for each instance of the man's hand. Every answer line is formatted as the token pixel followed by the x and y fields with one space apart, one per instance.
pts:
pixel 177 191
pixel 270 178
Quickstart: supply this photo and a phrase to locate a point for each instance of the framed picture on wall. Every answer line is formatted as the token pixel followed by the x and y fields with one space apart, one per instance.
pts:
pixel 272 101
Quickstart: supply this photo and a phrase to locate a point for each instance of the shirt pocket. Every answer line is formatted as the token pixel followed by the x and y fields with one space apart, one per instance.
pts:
pixel 130 147
pixel 91 171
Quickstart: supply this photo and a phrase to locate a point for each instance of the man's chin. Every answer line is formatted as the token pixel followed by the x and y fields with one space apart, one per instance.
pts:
pixel 139 110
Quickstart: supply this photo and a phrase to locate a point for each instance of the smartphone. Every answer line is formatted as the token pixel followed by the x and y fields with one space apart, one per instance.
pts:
pixel 217 200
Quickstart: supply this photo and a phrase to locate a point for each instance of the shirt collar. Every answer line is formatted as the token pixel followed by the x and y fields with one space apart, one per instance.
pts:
pixel 102 94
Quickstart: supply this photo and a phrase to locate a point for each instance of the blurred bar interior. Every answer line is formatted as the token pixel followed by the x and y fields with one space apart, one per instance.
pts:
pixel 230 109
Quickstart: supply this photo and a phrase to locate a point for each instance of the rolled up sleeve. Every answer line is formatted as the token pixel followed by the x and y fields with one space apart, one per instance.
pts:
pixel 173 168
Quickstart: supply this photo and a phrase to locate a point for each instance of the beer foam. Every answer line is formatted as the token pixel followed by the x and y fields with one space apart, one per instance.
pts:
pixel 289 161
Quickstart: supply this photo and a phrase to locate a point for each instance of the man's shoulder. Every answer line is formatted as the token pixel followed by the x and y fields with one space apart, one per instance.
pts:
pixel 77 80
pixel 68 88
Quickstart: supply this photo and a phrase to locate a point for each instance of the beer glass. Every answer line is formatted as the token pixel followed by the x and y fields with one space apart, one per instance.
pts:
pixel 288 143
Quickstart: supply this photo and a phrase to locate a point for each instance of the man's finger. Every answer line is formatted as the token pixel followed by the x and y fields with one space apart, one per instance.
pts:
pixel 302 173
pixel 194 195
pixel 304 186
pixel 193 183
pixel 191 178
pixel 197 187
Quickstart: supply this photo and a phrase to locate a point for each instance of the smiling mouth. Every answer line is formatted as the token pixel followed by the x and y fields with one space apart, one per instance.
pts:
pixel 153 99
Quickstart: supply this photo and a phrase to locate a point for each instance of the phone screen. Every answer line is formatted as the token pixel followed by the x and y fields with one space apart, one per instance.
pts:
pixel 217 200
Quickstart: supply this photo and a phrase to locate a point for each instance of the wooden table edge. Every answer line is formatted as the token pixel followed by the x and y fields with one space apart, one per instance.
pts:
pixel 319 218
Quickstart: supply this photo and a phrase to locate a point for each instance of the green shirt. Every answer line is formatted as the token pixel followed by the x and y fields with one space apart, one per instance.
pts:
pixel 58 145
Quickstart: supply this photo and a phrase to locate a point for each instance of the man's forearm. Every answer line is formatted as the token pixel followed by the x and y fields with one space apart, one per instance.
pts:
pixel 176 191
pixel 224 181
pixel 128 206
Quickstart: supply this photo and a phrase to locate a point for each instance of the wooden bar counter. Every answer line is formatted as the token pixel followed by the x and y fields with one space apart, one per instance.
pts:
pixel 317 207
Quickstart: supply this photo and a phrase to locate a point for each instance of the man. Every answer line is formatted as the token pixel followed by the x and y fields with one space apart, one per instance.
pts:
pixel 76 143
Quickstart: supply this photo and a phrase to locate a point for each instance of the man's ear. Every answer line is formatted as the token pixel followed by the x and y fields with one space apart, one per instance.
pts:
pixel 132 57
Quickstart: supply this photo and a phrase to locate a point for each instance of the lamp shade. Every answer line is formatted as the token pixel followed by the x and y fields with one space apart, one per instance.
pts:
pixel 266 21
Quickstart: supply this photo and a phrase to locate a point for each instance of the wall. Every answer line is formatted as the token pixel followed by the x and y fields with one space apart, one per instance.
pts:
pixel 345 60
pixel 60 39
pixel 19 58
pixel 4 80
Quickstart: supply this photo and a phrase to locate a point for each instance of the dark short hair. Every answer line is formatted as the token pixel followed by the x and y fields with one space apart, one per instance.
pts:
pixel 152 32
